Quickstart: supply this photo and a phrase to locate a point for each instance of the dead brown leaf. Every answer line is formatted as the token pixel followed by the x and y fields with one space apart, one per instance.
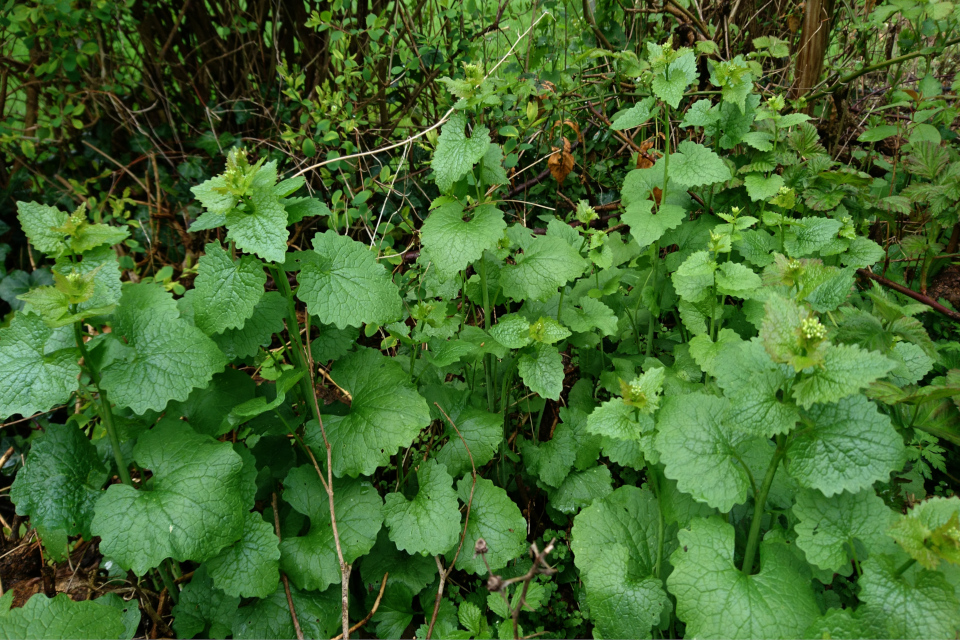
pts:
pixel 561 162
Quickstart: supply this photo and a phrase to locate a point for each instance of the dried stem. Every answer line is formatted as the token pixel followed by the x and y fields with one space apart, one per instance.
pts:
pixel 283 576
pixel 376 605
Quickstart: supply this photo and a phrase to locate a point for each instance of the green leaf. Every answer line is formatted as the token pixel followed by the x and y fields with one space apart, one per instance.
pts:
pixel 809 235
pixel 847 446
pixel 260 228
pixel 203 609
pixel 206 407
pixel 38 222
pixel 456 154
pixel 617 419
pixel 36 371
pixel 589 314
pixel 917 604
pixel 250 566
pixel 453 243
pixel 311 561
pixel 930 531
pixel 709 354
pixel 43 618
pixel 634 116
pixel 342 283
pixel 762 188
pixel 301 208
pixel 332 343
pixel 694 165
pixel 542 370
pixel 163 357
pixel 317 613
pixel 700 452
pixel 792 334
pixel 670 83
pixel 738 280
pixel 842 624
pixel 492 169
pixel 430 523
pixel 192 509
pixel 876 134
pixel 395 612
pixel 751 380
pixel 546 264
pixel 828 527
pixel 846 370
pixel 693 280
pixel 60 481
pixel 228 291
pixel 512 331
pixel 615 547
pixel 714 598
pixel 482 431
pixel 495 518
pixel 257 331
pixel 647 227
pixel 386 413
pixel 416 572
pixel 102 263
pixel 581 488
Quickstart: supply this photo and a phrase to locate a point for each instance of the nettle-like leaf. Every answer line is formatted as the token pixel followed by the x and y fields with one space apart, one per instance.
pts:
pixel 250 566
pixel 542 370
pixel 930 532
pixel 616 418
pixel 495 518
pixel 546 264
pixel 386 413
pixel 751 380
pixel 700 451
pixel 260 226
pixel 60 482
pixel 311 561
pixel 917 604
pixel 430 523
pixel 342 284
pixel 456 153
pixel 162 356
pixel 482 431
pixel 191 509
pixel 848 446
pixel 715 598
pixel 615 545
pixel 674 76
pixel 38 366
pixel 647 226
pixel 452 243
pixel 46 618
pixel 317 613
pixel 257 331
pixel 694 165
pixel 846 370
pixel 39 222
pixel 227 290
pixel 830 527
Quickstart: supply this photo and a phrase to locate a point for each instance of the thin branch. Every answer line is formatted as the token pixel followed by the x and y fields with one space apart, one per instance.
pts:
pixel 283 576
pixel 376 605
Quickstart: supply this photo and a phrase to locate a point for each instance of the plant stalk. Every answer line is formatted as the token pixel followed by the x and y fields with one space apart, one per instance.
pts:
pixel 760 501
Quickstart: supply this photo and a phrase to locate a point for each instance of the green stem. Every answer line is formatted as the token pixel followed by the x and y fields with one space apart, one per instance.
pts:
pixel 759 502
pixel 853 555
pixel 903 568
pixel 661 525
pixel 103 406
pixel 293 328
pixel 168 581
pixel 487 358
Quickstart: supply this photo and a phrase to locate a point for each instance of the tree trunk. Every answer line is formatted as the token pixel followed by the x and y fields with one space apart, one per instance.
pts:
pixel 814 40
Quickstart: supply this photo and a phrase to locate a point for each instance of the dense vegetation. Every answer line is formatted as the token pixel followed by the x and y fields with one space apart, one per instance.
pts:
pixel 527 319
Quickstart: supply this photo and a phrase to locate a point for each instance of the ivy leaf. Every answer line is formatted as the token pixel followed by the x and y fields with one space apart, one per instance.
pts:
pixel 647 227
pixel 192 509
pixel 751 380
pixel 386 413
pixel 846 370
pixel 546 264
pixel 342 283
pixel 250 566
pixel 311 560
pixel 614 542
pixel 495 518
pixel 482 431
pixel 228 290
pixel 163 358
pixel 456 154
pixel 257 331
pixel 204 609
pixel 453 243
pixel 261 227
pixel 849 446
pixel 43 618
pixel 317 613
pixel 430 523
pixel 60 481
pixel 38 222
pixel 542 370
pixel 930 531
pixel 828 527
pixel 918 604
pixel 694 165
pixel 700 452
pixel 36 372
pixel 714 598
pixel 762 188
